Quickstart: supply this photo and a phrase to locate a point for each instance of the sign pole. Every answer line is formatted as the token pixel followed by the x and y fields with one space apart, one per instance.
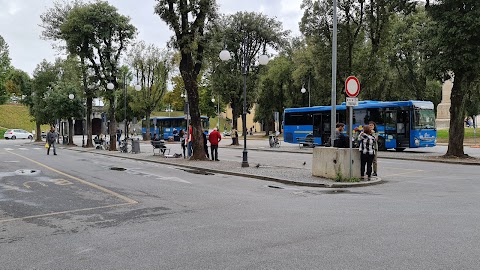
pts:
pixel 350 124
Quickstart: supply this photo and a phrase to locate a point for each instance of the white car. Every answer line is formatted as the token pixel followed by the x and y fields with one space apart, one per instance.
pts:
pixel 17 134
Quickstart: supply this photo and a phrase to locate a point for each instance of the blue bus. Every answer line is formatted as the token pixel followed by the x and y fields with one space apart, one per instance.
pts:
pixel 164 126
pixel 400 124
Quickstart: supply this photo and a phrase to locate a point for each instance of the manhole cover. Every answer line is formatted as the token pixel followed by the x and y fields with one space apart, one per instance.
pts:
pixel 117 169
pixel 27 172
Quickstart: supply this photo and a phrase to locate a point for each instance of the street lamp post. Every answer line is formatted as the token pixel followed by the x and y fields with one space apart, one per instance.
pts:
pixel 125 106
pixel 262 60
pixel 305 90
pixel 218 111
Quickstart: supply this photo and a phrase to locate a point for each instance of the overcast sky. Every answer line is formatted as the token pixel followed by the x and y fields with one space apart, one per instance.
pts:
pixel 19 20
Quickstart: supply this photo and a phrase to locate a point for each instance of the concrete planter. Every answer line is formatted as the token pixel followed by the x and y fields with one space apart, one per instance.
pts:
pixel 333 163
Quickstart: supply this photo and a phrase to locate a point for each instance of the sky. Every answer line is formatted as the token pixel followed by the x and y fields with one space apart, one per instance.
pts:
pixel 20 19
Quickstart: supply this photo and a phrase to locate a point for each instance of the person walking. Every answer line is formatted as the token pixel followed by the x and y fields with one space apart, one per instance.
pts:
pixel 373 127
pixel 51 138
pixel 215 137
pixel 367 151
pixel 205 145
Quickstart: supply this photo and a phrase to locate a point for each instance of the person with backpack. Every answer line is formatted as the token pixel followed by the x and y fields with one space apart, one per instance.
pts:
pixel 367 151
pixel 51 138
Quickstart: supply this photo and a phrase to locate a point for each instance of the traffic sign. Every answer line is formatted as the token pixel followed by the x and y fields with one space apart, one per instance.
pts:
pixel 352 86
pixel 352 102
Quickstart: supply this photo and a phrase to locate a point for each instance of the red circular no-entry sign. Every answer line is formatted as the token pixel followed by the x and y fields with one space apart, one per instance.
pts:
pixel 352 86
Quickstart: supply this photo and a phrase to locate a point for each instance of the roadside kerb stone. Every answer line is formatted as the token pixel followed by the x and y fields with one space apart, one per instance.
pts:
pixel 269 173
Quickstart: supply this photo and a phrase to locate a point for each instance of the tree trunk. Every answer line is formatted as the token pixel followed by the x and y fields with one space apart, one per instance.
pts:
pixel 190 82
pixel 456 131
pixel 70 131
pixel 39 132
pixel 89 121
pixel 112 128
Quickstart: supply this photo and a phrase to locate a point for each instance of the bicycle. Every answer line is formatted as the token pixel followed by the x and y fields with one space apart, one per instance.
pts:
pixel 273 141
pixel 125 146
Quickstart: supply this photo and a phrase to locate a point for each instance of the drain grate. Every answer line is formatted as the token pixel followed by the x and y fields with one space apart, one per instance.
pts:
pixel 117 169
pixel 277 187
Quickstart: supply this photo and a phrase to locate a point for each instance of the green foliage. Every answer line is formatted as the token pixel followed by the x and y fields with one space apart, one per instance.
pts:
pixel 4 69
pixel 17 83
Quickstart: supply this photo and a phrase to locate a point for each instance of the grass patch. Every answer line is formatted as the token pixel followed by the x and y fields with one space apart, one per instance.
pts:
pixel 442 135
pixel 16 116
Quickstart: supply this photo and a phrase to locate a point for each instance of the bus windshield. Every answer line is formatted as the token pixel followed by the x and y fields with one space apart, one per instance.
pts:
pixel 424 119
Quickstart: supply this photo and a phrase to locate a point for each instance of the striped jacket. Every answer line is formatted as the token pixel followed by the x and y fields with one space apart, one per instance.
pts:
pixel 366 144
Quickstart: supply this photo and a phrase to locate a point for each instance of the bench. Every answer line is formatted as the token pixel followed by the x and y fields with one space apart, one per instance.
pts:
pixel 99 144
pixel 305 142
pixel 161 147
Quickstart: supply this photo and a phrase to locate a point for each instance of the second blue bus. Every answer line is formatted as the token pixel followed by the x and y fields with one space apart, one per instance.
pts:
pixel 164 126
pixel 400 124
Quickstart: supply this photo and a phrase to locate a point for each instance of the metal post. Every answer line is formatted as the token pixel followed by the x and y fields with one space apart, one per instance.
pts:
pixel 309 105
pixel 333 117
pixel 244 115
pixel 125 106
pixel 218 113
pixel 83 125
pixel 350 124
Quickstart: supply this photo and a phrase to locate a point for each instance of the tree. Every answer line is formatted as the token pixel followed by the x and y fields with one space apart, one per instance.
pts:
pixel 45 77
pixel 97 32
pixel 151 68
pixel 244 34
pixel 17 83
pixel 4 69
pixel 454 51
pixel 188 20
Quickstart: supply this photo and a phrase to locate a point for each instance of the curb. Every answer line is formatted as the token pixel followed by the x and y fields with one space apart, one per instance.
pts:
pixel 253 176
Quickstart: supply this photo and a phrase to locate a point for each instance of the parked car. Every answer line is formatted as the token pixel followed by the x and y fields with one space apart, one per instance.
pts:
pixel 44 134
pixel 17 134
pixel 226 133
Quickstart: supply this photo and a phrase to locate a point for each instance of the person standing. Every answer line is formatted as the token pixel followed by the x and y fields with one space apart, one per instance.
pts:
pixel 205 146
pixel 373 127
pixel 233 135
pixel 367 151
pixel 190 141
pixel 215 137
pixel 182 136
pixel 119 135
pixel 51 138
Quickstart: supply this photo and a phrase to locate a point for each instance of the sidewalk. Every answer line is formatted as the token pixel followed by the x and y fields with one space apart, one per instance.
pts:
pixel 272 172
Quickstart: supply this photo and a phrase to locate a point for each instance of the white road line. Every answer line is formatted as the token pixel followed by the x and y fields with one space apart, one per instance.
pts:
pixel 8 149
pixel 23 149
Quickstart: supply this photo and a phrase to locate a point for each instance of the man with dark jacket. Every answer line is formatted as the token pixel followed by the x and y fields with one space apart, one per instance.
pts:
pixel 214 139
pixel 51 138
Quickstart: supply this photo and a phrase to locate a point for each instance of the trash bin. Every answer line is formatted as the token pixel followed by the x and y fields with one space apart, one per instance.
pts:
pixel 65 139
pixel 135 146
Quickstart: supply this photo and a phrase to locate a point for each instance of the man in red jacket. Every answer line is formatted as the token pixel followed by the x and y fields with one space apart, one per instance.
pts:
pixel 214 139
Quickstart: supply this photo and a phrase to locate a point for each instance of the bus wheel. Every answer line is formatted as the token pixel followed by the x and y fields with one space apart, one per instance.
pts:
pixel 381 144
pixel 399 149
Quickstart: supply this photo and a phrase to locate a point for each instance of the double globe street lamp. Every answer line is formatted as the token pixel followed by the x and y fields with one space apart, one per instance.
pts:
pixel 262 60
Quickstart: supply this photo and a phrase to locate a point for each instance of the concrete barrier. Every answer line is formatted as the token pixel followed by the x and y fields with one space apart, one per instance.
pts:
pixel 332 163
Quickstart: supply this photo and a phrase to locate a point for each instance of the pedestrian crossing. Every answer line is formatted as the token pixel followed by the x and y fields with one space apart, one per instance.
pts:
pixel 21 148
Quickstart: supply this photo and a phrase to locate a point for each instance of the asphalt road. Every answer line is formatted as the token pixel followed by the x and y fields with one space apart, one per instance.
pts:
pixel 84 211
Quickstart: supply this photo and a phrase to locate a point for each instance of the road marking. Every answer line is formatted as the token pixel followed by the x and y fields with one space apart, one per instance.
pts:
pixel 64 212
pixel 28 186
pixel 11 161
pixel 128 200
pixel 61 182
pixel 23 149
pixel 8 149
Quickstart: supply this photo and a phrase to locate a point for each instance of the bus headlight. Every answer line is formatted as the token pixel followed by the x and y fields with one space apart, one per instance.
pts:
pixel 417 142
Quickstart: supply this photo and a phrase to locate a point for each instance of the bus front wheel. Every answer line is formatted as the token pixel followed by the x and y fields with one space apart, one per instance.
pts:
pixel 381 144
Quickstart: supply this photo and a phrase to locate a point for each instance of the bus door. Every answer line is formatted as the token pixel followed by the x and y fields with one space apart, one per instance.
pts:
pixel 403 129
pixel 390 138
pixel 317 128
